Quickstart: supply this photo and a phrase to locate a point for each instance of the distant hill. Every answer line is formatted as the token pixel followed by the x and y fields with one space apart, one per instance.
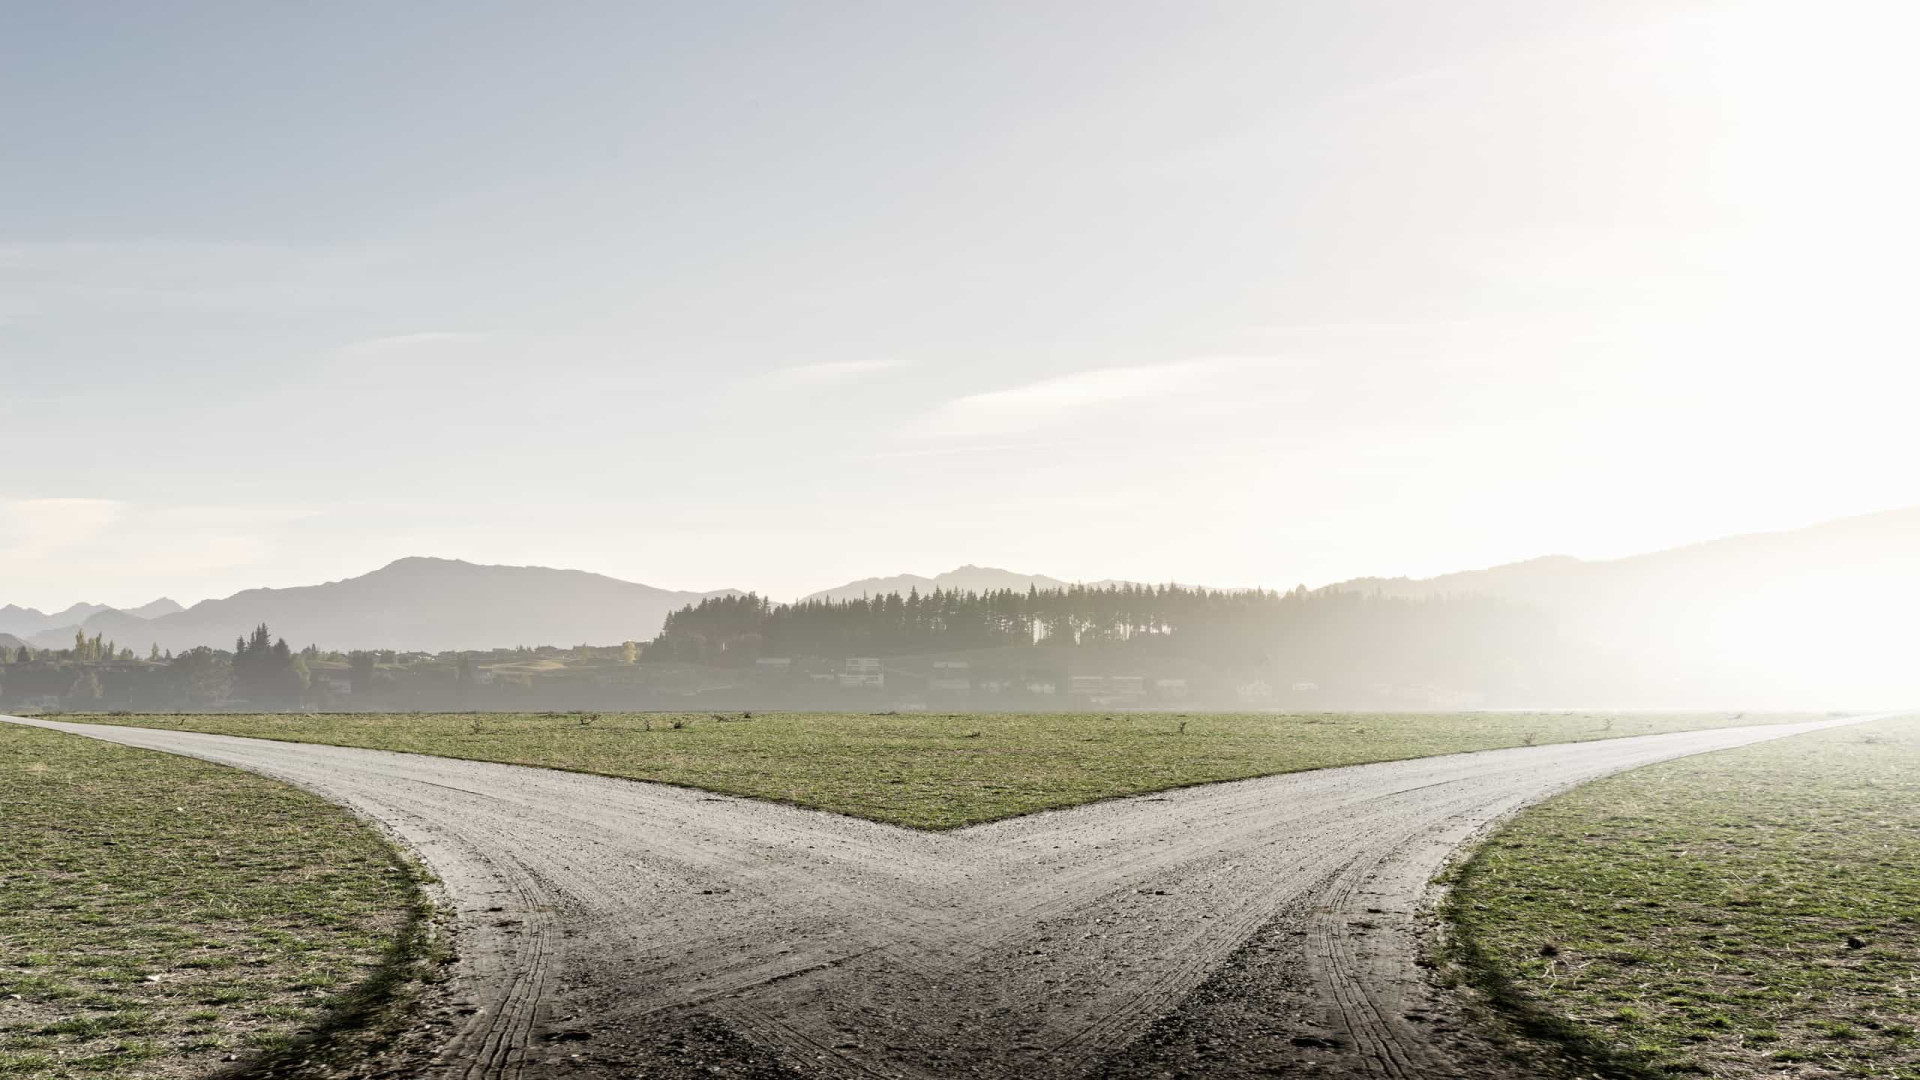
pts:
pixel 162 606
pixel 8 641
pixel 1820 614
pixel 1831 606
pixel 413 603
pixel 969 578
pixel 965 579
pixel 29 621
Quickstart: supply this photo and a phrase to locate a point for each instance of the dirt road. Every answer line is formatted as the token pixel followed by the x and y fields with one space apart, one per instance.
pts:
pixel 614 928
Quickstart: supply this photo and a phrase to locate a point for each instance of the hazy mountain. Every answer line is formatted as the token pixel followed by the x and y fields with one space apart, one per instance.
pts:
pixel 414 603
pixel 163 606
pixel 1889 541
pixel 8 641
pixel 27 622
pixel 31 622
pixel 1825 613
pixel 1829 606
pixel 965 579
pixel 120 627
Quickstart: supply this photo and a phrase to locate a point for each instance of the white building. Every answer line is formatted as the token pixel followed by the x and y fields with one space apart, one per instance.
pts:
pixel 862 671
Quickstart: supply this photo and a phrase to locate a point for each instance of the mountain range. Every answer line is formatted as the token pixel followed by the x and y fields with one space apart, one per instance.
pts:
pixel 1834 600
pixel 21 621
pixel 967 578
pixel 412 603
pixel 1829 605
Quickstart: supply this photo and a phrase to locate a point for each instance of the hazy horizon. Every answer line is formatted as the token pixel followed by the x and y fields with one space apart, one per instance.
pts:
pixel 774 298
pixel 188 601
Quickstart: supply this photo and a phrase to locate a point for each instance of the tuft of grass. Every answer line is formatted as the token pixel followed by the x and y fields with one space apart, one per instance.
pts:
pixel 1727 914
pixel 158 913
pixel 937 771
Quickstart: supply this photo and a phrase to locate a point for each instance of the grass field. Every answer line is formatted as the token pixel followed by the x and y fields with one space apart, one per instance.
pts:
pixel 160 916
pixel 1749 913
pixel 937 771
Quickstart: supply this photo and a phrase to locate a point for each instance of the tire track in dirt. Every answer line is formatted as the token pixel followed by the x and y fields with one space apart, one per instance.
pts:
pixel 616 928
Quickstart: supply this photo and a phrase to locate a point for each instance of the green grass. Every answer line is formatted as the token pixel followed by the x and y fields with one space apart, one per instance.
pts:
pixel 159 915
pixel 936 771
pixel 1754 912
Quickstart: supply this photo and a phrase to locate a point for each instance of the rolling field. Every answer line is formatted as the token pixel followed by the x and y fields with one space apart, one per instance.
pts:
pixel 1754 912
pixel 161 916
pixel 937 771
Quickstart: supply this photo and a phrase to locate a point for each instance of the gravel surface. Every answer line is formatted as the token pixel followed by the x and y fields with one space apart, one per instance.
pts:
pixel 1254 928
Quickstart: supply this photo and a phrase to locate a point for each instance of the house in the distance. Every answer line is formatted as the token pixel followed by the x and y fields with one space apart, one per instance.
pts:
pixel 862 671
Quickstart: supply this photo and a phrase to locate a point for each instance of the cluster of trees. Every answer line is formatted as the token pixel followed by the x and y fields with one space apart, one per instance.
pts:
pixel 86 650
pixel 266 672
pixel 261 671
pixel 92 650
pixel 1309 635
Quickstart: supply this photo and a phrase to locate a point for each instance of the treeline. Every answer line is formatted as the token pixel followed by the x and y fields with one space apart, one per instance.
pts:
pixel 262 671
pixel 1310 635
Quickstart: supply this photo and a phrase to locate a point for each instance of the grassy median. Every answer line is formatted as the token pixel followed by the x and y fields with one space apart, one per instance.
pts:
pixel 1748 913
pixel 161 916
pixel 938 771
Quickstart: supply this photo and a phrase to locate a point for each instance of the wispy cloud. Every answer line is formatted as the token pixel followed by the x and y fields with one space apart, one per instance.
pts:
pixel 831 371
pixel 1050 401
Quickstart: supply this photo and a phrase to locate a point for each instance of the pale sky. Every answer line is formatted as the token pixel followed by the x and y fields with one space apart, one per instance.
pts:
pixel 777 296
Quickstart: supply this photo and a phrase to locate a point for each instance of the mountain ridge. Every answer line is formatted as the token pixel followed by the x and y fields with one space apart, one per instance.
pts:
pixel 1828 603
pixel 412 603
pixel 1760 606
pixel 967 578
pixel 1884 532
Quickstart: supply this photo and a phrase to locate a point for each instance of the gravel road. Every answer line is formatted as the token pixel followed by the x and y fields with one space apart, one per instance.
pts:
pixel 614 928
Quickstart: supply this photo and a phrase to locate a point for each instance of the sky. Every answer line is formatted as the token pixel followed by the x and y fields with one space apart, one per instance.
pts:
pixel 775 296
